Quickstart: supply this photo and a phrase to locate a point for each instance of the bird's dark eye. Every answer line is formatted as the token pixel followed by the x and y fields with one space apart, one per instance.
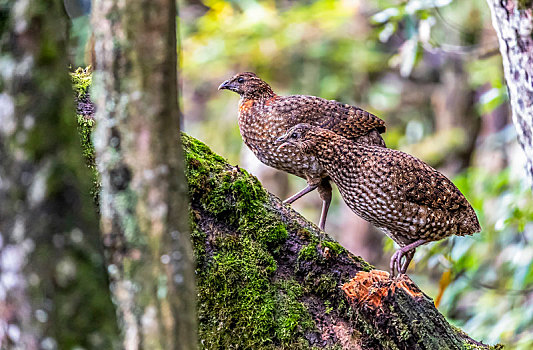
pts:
pixel 294 135
pixel 240 80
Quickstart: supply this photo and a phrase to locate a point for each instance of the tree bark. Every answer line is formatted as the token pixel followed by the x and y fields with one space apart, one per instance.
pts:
pixel 144 204
pixel 53 286
pixel 513 22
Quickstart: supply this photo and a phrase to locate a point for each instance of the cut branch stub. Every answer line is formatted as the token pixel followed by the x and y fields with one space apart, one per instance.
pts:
pixel 372 288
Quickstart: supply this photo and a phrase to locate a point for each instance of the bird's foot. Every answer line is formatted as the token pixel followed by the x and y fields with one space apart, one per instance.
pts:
pixel 395 263
pixel 408 252
pixel 408 257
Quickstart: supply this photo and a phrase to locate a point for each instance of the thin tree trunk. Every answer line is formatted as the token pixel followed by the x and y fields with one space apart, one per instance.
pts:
pixel 513 22
pixel 144 205
pixel 53 286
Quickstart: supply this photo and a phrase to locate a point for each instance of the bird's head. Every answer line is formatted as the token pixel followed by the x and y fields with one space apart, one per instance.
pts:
pixel 302 136
pixel 248 85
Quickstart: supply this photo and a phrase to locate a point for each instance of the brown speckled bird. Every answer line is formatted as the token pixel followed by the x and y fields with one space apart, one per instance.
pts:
pixel 265 116
pixel 410 201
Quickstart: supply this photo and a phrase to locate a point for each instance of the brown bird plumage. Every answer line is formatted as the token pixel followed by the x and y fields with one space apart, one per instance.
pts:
pixel 265 116
pixel 398 193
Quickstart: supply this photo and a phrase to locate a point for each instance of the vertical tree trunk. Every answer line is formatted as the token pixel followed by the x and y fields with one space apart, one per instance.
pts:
pixel 513 22
pixel 53 286
pixel 144 206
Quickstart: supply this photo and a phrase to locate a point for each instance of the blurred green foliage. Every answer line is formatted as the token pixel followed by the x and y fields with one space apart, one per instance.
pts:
pixel 313 48
pixel 491 296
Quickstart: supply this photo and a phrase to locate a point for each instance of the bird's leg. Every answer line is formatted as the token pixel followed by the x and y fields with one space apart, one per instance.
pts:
pixel 324 189
pixel 396 260
pixel 300 194
pixel 408 257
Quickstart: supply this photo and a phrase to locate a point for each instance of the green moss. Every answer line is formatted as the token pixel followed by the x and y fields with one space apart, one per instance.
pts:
pixel 405 333
pixel 85 128
pixel 328 306
pixel 230 194
pixel 309 252
pixel 304 233
pixel 321 285
pixel 81 80
pixel 470 346
pixel 199 241
pixel 240 307
pixel 229 298
pixel 368 330
pixel 239 304
pixel 292 316
pixel 333 246
pixel 365 266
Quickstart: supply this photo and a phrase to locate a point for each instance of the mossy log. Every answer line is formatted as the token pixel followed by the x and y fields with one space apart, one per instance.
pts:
pixel 269 279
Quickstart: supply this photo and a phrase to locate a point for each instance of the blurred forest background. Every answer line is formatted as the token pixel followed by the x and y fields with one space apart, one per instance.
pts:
pixel 431 69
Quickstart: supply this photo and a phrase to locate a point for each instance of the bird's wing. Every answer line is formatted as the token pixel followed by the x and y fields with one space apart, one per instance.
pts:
pixel 343 119
pixel 422 184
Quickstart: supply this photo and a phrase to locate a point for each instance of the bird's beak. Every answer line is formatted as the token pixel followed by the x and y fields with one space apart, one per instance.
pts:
pixel 225 85
pixel 284 142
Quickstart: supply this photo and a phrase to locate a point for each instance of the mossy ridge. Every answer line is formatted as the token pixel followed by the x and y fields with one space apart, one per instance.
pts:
pixel 245 300
pixel 242 288
pixel 81 82
pixel 240 306
pixel 247 262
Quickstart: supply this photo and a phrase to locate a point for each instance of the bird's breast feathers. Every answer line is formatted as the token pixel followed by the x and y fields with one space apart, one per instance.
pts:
pixel 245 106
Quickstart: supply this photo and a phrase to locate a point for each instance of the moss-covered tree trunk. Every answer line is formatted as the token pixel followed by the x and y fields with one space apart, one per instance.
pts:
pixel 269 279
pixel 143 202
pixel 53 285
pixel 513 22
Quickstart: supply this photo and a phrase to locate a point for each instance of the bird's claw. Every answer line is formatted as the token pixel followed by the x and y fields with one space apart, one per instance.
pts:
pixel 396 263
